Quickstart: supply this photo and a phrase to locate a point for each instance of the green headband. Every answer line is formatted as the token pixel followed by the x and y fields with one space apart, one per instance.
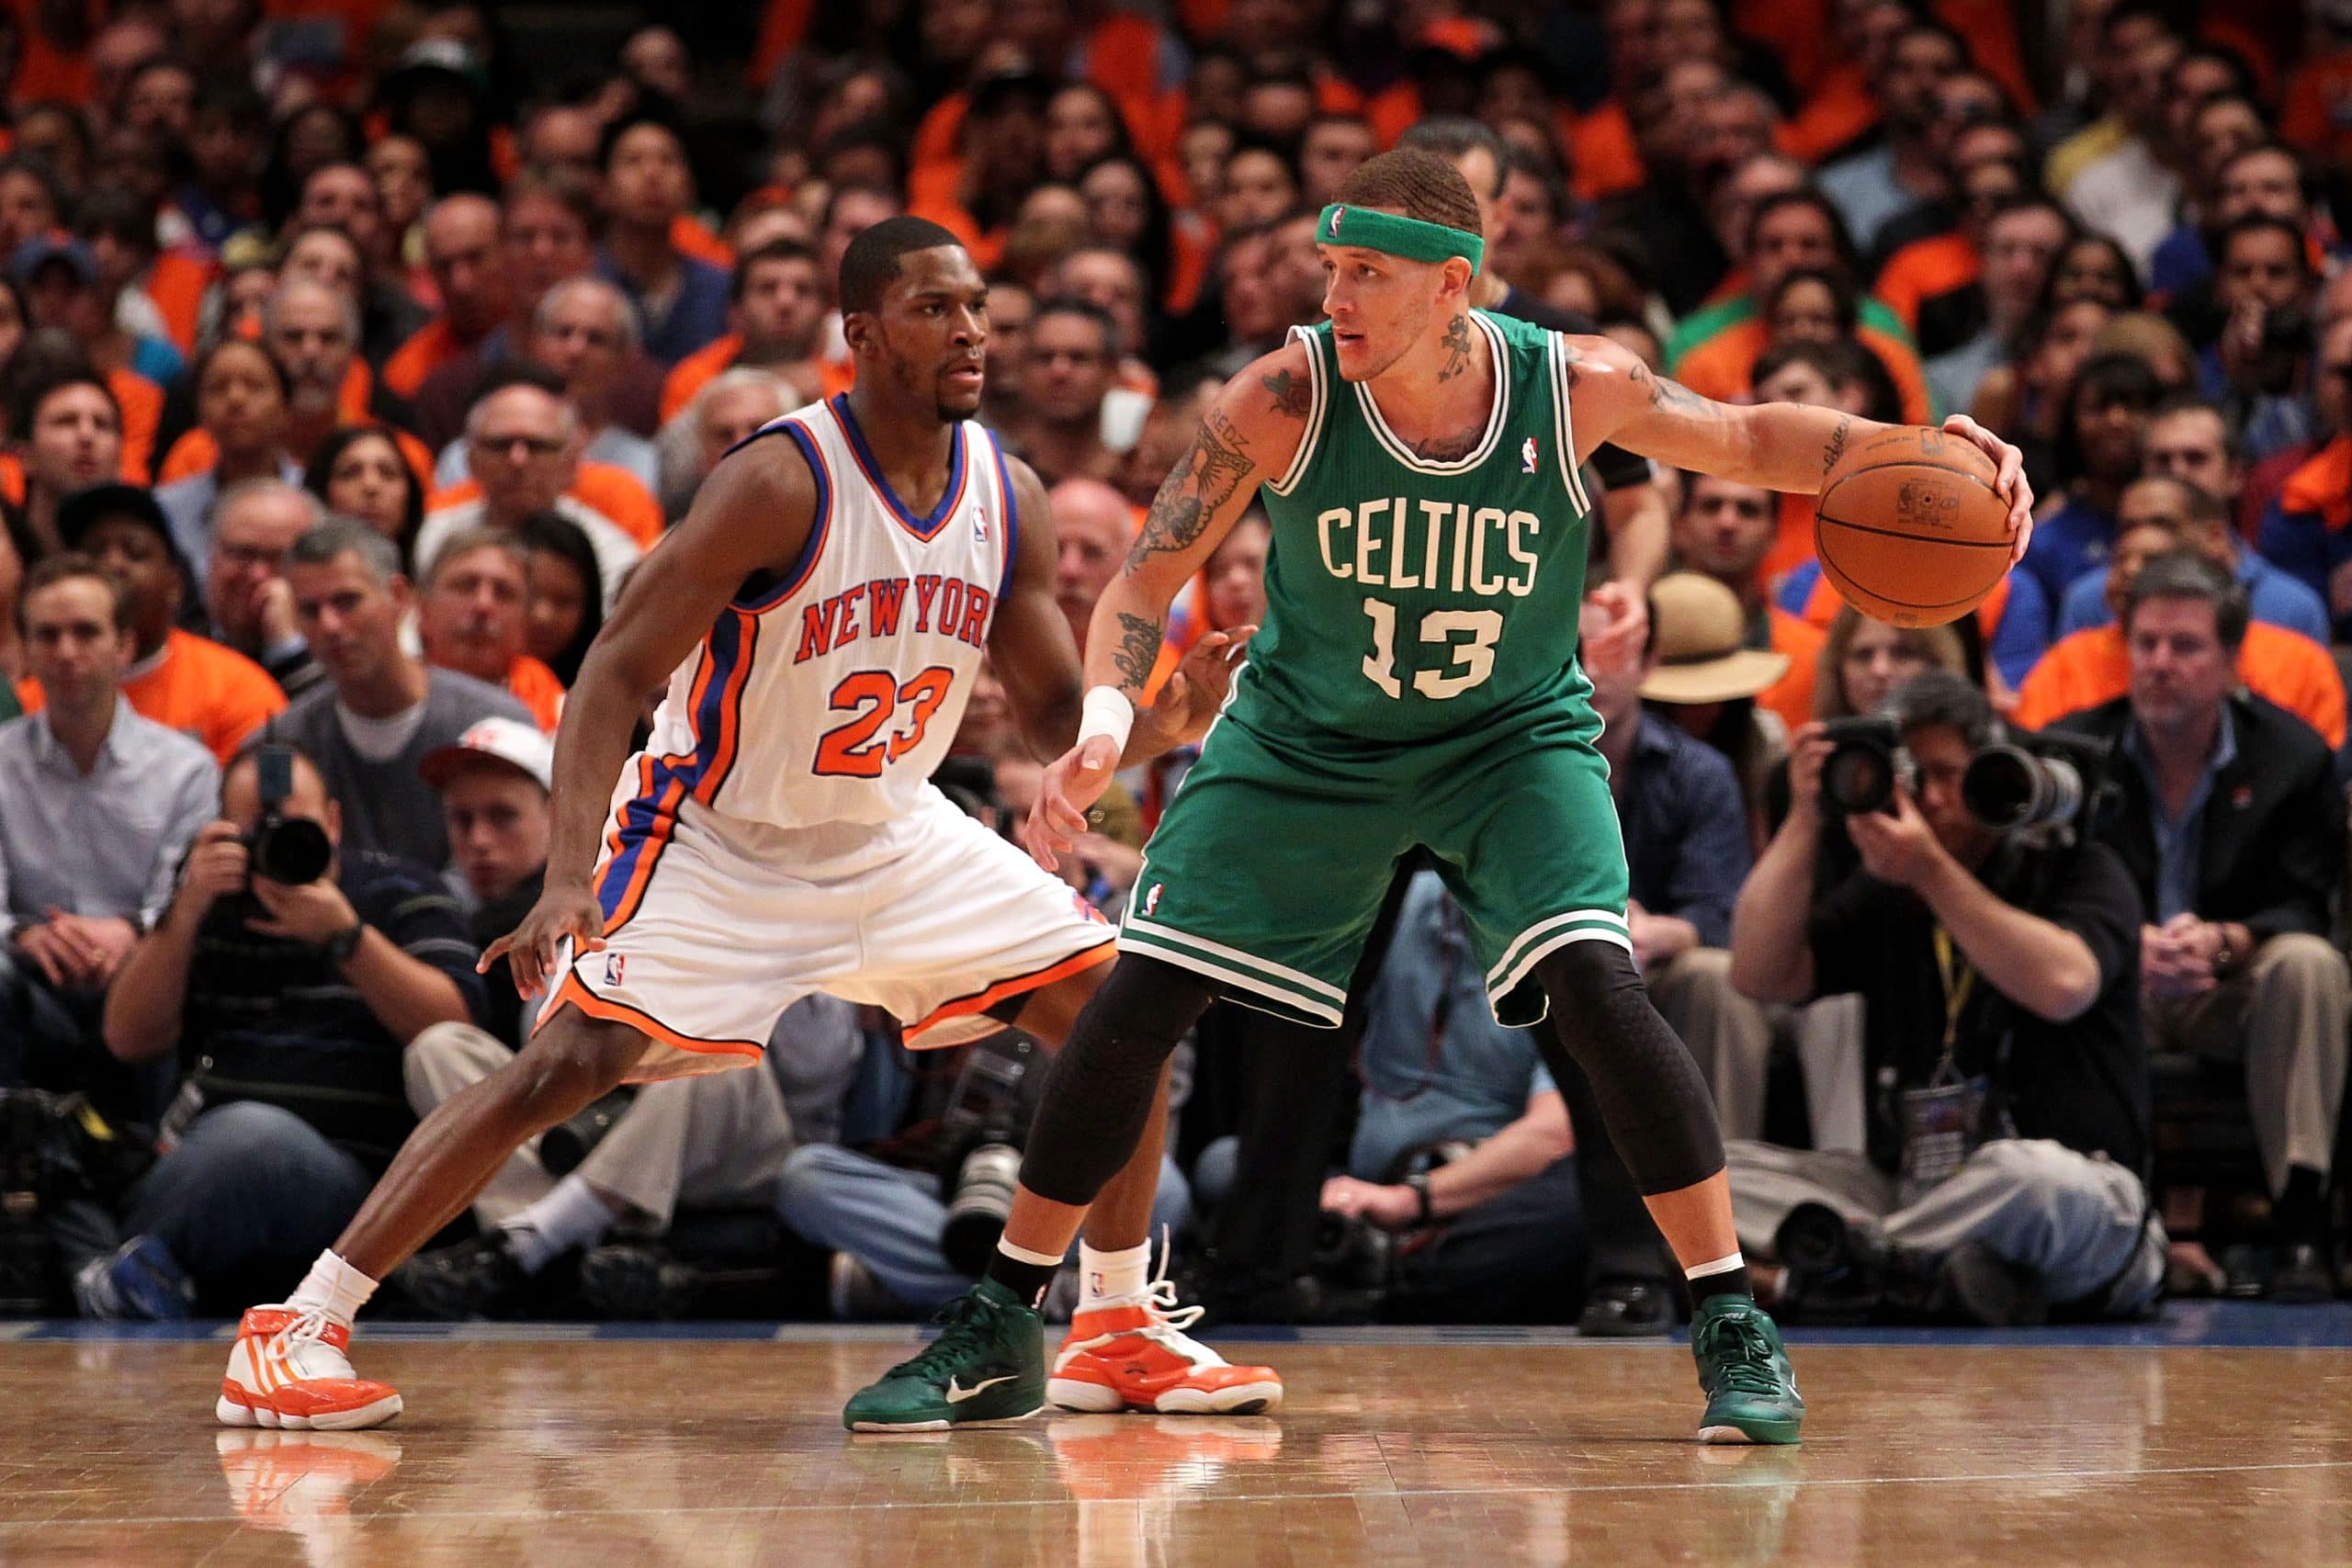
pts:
pixel 1398 236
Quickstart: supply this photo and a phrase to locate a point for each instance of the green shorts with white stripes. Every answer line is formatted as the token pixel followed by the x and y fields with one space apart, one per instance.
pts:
pixel 1268 871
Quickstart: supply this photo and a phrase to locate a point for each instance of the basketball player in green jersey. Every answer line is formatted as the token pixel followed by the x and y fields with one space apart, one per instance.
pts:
pixel 1413 684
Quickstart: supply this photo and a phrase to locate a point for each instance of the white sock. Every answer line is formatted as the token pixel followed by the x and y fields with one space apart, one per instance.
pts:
pixel 571 1216
pixel 1723 1264
pixel 334 1287
pixel 1107 1276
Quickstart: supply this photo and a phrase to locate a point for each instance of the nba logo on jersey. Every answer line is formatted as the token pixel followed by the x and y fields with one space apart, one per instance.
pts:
pixel 979 526
pixel 616 965
pixel 1151 900
pixel 1527 455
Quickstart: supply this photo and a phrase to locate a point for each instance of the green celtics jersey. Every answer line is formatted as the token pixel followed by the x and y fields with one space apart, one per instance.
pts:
pixel 1409 598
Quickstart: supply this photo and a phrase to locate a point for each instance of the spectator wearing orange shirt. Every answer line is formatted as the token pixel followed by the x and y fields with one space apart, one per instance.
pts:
pixel 473 612
pixel 522 444
pixel 60 279
pixel 461 250
pixel 181 681
pixel 241 397
pixel 586 331
pixel 777 316
pixel 1715 351
pixel 1725 531
pixel 68 436
pixel 2094 666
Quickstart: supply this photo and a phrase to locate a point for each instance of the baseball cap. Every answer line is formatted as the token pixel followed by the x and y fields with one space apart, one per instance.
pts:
pixel 41 249
pixel 517 745
pixel 1698 636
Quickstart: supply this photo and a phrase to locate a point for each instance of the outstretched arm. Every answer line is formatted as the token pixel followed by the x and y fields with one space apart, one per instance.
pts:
pixel 1784 446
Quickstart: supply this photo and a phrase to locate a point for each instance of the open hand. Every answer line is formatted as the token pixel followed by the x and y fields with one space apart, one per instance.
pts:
pixel 562 914
pixel 1073 783
pixel 2009 483
pixel 1193 695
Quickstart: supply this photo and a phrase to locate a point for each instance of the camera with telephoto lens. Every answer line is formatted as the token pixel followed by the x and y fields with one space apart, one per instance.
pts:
pixel 982 1130
pixel 289 850
pixel 1867 759
pixel 2050 783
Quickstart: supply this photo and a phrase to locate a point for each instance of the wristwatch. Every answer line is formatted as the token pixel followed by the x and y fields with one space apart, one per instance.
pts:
pixel 345 942
pixel 1419 1182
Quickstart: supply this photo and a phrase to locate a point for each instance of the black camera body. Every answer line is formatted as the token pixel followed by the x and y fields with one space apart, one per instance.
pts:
pixel 289 850
pixel 1867 759
pixel 981 1134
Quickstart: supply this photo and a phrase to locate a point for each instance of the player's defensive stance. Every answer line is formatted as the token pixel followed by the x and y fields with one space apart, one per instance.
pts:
pixel 1413 684
pixel 820 618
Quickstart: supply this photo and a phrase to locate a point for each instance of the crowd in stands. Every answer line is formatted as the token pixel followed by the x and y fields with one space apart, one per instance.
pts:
pixel 353 354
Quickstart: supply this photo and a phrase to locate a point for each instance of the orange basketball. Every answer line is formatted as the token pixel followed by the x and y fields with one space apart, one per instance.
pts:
pixel 1909 529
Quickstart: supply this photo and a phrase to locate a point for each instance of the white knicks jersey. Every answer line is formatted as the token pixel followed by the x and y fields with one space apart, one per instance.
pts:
pixel 831 695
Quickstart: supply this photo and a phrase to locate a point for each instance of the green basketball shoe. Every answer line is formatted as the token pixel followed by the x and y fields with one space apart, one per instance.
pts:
pixel 1751 1391
pixel 988 1364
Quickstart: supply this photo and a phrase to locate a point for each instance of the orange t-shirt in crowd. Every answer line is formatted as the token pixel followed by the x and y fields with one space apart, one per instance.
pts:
pixel 196 686
pixel 696 371
pixel 1924 270
pixel 142 402
pixel 432 346
pixel 175 286
pixel 195 452
pixel 2094 666
pixel 1791 696
pixel 1608 161
pixel 537 688
pixel 601 487
pixel 1724 367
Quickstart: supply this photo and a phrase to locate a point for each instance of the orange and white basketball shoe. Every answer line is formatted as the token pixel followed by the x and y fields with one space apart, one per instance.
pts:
pixel 291 1369
pixel 1132 1353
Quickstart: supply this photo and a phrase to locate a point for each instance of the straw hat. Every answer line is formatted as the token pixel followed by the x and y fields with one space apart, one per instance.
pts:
pixel 1698 629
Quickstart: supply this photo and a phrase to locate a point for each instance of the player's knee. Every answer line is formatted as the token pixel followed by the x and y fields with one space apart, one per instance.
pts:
pixel 1582 976
pixel 573 1060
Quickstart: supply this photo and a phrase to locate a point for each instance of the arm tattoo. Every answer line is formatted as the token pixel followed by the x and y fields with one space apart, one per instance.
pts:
pixel 1837 447
pixel 1668 394
pixel 1201 482
pixel 1294 395
pixel 1138 651
pixel 1457 348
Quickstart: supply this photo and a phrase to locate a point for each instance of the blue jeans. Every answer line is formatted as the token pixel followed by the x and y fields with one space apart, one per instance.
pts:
pixel 250 1184
pixel 888 1218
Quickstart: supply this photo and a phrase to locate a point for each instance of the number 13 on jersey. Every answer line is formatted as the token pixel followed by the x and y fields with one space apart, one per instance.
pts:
pixel 1471 663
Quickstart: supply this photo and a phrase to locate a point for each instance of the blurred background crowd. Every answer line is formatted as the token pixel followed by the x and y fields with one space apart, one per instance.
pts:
pixel 353 351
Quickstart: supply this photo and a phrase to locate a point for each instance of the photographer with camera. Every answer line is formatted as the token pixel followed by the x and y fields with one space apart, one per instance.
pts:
pixel 2008 1089
pixel 96 804
pixel 2230 822
pixel 1462 1148
pixel 285 1113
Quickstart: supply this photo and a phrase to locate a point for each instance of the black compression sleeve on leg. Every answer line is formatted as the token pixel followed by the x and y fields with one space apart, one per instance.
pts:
pixel 1651 1093
pixel 1102 1084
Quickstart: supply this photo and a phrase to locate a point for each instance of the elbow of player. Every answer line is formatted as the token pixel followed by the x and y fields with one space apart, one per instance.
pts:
pixel 1762 976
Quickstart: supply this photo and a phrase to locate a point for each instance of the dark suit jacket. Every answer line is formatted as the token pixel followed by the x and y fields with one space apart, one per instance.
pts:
pixel 2272 853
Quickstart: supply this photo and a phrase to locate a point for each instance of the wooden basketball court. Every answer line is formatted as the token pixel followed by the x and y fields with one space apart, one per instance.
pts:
pixel 575 1445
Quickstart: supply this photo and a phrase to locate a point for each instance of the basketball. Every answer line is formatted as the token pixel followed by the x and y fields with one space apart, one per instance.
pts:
pixel 1909 528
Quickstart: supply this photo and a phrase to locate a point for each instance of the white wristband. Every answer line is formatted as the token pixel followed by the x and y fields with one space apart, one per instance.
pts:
pixel 1108 711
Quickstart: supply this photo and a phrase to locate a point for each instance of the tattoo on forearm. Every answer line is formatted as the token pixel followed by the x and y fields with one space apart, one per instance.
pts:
pixel 1837 447
pixel 1204 480
pixel 1666 393
pixel 1138 651
pixel 1294 395
pixel 1457 348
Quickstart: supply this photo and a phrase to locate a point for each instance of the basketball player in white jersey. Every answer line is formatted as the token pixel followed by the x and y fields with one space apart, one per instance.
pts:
pixel 820 618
